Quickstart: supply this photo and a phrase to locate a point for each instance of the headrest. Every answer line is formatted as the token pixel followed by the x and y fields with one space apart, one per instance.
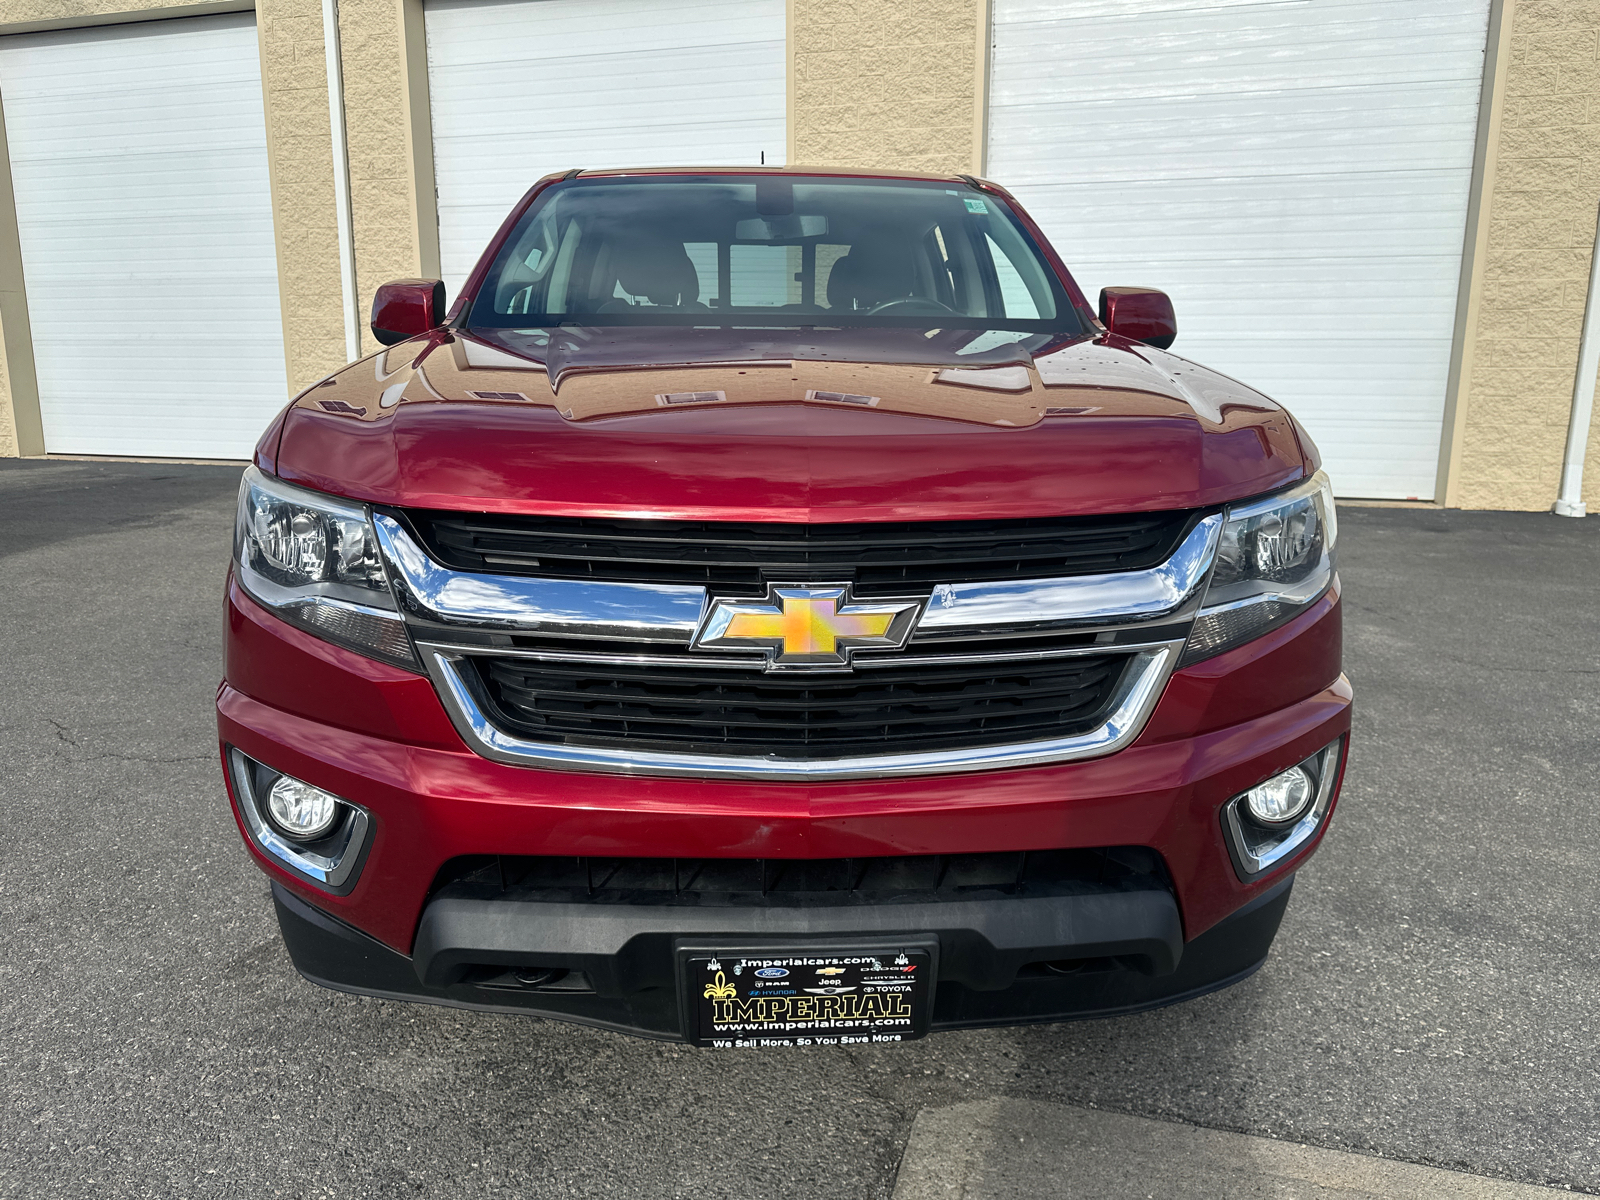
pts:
pixel 661 272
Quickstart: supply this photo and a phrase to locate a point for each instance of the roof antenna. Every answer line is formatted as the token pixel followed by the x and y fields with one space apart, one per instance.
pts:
pixel 763 158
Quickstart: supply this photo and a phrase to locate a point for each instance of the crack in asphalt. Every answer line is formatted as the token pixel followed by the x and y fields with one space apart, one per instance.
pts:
pixel 61 732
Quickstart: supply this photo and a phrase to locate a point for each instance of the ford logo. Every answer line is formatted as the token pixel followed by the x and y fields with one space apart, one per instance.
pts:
pixel 771 973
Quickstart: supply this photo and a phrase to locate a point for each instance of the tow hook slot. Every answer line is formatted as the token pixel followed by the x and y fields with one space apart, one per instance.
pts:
pixel 528 979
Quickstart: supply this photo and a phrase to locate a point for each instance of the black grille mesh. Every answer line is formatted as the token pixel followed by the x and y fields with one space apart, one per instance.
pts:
pixel 738 558
pixel 801 716
pixel 790 881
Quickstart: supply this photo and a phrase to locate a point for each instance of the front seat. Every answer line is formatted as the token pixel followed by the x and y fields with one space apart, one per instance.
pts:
pixel 660 272
pixel 868 276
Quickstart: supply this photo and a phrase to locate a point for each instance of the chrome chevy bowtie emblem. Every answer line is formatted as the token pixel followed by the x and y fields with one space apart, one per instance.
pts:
pixel 807 626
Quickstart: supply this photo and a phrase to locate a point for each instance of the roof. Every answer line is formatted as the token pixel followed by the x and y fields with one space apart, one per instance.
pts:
pixel 857 172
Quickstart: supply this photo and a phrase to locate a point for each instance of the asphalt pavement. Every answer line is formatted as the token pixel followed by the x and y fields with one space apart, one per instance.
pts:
pixel 1433 998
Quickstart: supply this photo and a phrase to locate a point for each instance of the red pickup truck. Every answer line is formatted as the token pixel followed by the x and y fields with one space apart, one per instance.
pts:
pixel 771 608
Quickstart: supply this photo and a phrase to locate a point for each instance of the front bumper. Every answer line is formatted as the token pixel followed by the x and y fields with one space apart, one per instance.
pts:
pixel 379 737
pixel 631 986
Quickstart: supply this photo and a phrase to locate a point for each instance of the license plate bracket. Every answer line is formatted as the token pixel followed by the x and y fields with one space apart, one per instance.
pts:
pixel 773 995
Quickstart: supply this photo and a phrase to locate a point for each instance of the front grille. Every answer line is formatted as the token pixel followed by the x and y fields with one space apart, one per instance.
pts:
pixel 739 558
pixel 810 881
pixel 889 710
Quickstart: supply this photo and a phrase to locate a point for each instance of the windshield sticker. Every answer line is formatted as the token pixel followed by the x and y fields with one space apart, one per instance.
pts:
pixel 977 206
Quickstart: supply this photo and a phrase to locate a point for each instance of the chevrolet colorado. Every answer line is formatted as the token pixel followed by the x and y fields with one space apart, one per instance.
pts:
pixel 772 607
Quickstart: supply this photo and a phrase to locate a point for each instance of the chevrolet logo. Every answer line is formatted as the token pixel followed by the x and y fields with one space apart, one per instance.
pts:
pixel 807 626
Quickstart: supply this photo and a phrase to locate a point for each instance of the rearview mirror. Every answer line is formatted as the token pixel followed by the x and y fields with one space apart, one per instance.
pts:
pixel 771 229
pixel 1139 314
pixel 404 308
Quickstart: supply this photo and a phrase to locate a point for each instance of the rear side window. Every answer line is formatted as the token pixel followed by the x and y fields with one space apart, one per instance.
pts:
pixel 771 250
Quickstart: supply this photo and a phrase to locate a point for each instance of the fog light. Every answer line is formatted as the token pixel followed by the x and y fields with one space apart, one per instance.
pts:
pixel 1281 799
pixel 301 811
pixel 1266 826
pixel 320 839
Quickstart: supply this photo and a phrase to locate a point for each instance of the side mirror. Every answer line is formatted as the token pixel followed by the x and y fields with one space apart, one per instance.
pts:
pixel 1139 314
pixel 406 307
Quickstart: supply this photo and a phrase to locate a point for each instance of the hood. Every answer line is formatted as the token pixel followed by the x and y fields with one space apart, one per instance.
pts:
pixel 785 425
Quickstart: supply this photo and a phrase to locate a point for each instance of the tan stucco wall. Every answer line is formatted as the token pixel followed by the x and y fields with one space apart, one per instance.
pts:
pixel 10 446
pixel 23 16
pixel 11 436
pixel 21 431
pixel 391 168
pixel 1540 212
pixel 888 85
pixel 294 79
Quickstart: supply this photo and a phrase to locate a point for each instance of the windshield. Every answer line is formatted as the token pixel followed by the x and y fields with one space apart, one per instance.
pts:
pixel 770 250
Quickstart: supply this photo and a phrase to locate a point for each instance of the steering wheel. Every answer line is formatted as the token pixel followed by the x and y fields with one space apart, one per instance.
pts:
pixel 911 306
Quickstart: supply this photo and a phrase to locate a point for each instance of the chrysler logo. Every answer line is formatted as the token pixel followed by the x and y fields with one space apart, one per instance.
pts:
pixel 807 626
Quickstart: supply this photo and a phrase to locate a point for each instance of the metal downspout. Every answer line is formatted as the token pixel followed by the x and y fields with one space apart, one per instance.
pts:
pixel 1569 501
pixel 341 182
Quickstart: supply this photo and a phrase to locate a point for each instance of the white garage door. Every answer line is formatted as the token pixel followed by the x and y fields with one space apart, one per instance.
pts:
pixel 1294 173
pixel 139 160
pixel 521 88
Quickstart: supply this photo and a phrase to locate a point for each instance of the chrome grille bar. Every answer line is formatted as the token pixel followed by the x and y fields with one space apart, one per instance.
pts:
pixel 1033 604
pixel 565 607
pixel 641 612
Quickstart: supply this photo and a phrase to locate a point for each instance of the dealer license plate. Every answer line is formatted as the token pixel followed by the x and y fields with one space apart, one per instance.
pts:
pixel 785 998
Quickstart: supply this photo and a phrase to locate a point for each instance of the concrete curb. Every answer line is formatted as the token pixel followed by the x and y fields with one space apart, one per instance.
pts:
pixel 1031 1150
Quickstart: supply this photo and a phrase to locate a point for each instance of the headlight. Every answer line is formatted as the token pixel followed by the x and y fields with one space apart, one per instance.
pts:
pixel 314 561
pixel 1275 557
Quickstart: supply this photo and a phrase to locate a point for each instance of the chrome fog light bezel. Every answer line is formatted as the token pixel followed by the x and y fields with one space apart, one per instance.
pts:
pixel 1258 847
pixel 330 862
